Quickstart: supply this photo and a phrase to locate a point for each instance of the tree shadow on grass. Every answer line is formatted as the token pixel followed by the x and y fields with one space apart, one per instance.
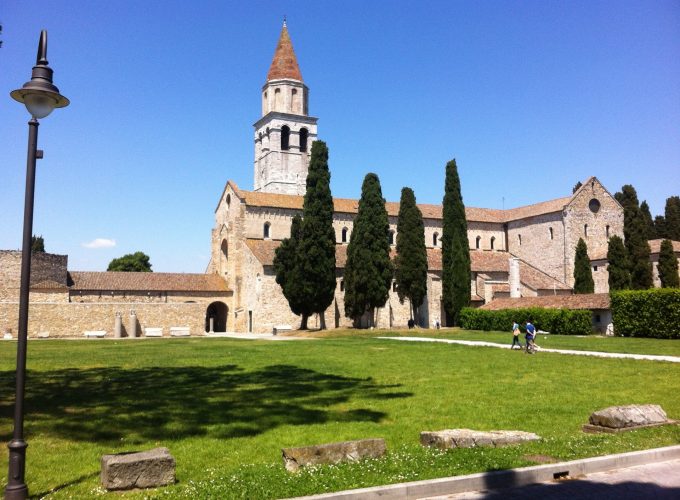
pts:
pixel 107 404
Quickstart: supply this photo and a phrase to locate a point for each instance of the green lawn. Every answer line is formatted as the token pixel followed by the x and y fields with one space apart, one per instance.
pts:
pixel 225 408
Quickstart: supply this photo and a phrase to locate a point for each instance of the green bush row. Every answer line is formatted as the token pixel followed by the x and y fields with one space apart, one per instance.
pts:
pixel 647 313
pixel 557 321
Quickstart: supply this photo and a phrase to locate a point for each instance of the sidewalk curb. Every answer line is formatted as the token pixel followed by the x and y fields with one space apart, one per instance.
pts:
pixel 506 478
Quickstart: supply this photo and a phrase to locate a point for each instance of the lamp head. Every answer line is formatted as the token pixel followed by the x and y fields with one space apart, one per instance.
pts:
pixel 40 95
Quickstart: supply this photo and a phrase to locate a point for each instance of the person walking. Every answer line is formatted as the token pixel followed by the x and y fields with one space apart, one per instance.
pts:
pixel 515 336
pixel 531 333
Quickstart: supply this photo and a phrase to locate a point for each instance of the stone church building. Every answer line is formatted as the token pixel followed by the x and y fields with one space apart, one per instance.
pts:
pixel 521 252
pixel 525 251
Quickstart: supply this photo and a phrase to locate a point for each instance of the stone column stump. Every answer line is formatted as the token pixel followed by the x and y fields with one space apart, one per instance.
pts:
pixel 146 469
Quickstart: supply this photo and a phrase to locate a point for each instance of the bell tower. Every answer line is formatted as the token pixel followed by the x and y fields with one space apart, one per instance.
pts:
pixel 284 134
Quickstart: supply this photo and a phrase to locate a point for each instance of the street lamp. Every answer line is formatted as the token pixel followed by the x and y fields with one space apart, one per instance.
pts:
pixel 40 97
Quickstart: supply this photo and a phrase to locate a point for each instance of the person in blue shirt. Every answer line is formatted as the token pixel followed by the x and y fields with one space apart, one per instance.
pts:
pixel 531 333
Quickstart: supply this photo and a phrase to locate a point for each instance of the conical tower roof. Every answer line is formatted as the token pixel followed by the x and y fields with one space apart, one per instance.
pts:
pixel 284 64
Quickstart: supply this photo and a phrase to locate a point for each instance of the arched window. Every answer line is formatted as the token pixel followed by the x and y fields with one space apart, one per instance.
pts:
pixel 267 225
pixel 585 230
pixel 344 235
pixel 285 137
pixel 293 100
pixel 394 286
pixel 606 230
pixel 519 239
pixel 492 242
pixel 551 233
pixel 391 237
pixel 228 200
pixel 478 242
pixel 303 140
pixel 277 98
pixel 342 285
pixel 435 236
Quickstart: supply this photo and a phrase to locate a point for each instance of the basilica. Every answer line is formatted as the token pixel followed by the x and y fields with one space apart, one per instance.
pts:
pixel 521 252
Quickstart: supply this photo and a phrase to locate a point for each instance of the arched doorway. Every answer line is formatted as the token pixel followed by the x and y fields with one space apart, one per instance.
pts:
pixel 217 311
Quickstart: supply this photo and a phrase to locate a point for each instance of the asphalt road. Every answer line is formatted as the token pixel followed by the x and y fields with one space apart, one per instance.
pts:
pixel 654 481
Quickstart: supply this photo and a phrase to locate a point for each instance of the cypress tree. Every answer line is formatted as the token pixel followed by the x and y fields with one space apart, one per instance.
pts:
pixel 576 187
pixel 668 266
pixel 635 239
pixel 455 248
pixel 368 271
pixel 660 226
pixel 583 276
pixel 317 243
pixel 411 261
pixel 618 267
pixel 672 218
pixel 650 230
pixel 37 244
pixel 286 265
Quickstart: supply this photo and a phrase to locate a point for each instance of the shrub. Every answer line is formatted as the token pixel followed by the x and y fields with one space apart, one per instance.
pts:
pixel 647 313
pixel 557 321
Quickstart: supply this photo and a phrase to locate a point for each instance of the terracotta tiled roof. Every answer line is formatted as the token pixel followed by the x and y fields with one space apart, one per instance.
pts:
pixel 153 282
pixel 585 301
pixel 351 206
pixel 284 64
pixel 480 261
pixel 655 246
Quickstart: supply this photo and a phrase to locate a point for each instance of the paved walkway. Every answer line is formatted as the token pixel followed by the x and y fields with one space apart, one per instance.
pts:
pixel 650 357
pixel 658 480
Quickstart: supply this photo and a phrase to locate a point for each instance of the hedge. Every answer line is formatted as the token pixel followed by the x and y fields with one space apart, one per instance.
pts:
pixel 647 313
pixel 557 321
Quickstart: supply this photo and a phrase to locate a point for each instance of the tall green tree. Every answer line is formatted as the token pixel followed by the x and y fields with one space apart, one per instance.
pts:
pixel 635 239
pixel 672 218
pixel 660 226
pixel 583 275
pixel 455 248
pixel 368 271
pixel 618 265
pixel 648 222
pixel 131 262
pixel 287 268
pixel 668 266
pixel 317 244
pixel 37 244
pixel 410 264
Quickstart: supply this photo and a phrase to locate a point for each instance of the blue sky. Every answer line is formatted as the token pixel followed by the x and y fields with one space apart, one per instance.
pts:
pixel 529 97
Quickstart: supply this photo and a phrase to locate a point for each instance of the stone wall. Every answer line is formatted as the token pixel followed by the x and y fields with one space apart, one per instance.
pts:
pixel 539 241
pixel 44 267
pixel 72 319
pixel 581 220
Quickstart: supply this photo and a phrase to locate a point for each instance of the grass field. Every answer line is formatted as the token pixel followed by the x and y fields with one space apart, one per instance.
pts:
pixel 225 408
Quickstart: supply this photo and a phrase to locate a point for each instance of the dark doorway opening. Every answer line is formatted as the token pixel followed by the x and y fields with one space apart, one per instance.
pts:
pixel 217 312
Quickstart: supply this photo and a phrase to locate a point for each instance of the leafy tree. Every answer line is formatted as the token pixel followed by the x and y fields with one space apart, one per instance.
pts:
pixel 660 226
pixel 37 244
pixel 650 230
pixel 672 218
pixel 618 267
pixel 668 266
pixel 132 262
pixel 317 244
pixel 286 265
pixel 583 275
pixel 368 271
pixel 576 187
pixel 635 239
pixel 411 260
pixel 455 248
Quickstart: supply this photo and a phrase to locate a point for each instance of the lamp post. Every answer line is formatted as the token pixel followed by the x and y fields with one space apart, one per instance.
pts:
pixel 40 97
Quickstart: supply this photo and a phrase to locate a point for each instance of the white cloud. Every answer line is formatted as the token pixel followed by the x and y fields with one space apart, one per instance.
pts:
pixel 100 243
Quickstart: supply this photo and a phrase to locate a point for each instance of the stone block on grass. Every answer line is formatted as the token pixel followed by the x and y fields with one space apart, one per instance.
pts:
pixel 625 418
pixel 146 469
pixel 333 453
pixel 467 438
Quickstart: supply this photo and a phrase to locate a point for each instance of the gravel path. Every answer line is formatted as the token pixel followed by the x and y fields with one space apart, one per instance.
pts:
pixel 649 357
